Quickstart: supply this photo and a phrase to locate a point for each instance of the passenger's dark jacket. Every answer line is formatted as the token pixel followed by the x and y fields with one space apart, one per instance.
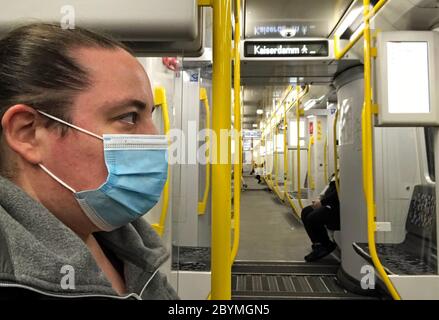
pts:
pixel 330 197
pixel 330 200
pixel 37 251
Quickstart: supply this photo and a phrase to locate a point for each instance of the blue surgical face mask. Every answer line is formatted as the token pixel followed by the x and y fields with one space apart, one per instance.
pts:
pixel 137 170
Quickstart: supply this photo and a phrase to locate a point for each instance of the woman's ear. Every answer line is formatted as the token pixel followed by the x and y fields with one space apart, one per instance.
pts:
pixel 19 125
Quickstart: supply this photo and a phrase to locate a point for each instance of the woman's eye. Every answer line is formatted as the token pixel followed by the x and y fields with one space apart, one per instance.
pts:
pixel 130 118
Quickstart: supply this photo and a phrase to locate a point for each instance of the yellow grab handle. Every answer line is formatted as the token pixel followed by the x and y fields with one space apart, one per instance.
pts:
pixel 337 178
pixel 286 195
pixel 310 176
pixel 203 203
pixel 299 190
pixel 367 144
pixel 160 100
pixel 325 159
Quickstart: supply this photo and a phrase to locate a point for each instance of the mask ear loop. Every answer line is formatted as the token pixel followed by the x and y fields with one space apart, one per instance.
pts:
pixel 56 178
pixel 70 125
pixel 74 127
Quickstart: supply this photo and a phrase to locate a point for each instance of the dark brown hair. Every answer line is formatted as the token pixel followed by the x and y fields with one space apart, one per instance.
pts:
pixel 38 69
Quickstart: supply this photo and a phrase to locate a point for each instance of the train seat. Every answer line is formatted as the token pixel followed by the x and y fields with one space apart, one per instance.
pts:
pixel 417 254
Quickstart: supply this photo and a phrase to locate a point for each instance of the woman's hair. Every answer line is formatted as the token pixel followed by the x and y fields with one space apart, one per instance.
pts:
pixel 37 68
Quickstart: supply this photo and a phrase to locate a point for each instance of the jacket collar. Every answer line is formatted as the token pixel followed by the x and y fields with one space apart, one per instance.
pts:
pixel 36 249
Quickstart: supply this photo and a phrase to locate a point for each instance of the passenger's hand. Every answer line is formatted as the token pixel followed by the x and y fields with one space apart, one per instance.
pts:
pixel 316 204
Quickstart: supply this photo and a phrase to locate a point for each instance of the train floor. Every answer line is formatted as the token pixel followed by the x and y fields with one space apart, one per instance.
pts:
pixel 273 243
pixel 269 229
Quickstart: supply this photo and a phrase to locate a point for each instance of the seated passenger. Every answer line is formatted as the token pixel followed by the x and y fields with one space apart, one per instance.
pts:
pixel 254 165
pixel 71 192
pixel 259 172
pixel 323 213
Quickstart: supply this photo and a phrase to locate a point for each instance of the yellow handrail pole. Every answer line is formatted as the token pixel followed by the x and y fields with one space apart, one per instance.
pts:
pixel 267 174
pixel 292 168
pixel 336 175
pixel 325 159
pixel 276 168
pixel 287 92
pixel 203 203
pixel 310 176
pixel 237 173
pixel 367 139
pixel 221 169
pixel 340 53
pixel 286 195
pixel 274 113
pixel 375 9
pixel 273 156
pixel 297 103
pixel 368 151
pixel 276 157
pixel 274 182
pixel 160 100
pixel 299 191
pixel 285 152
pixel 273 171
pixel 301 96
pixel 269 177
pixel 263 144
pixel 271 184
pixel 363 154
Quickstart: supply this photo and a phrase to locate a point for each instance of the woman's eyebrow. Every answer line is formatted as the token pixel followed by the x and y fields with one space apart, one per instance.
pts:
pixel 139 104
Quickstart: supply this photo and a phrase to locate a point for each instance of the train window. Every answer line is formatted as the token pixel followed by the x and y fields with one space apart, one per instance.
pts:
pixel 293 133
pixel 280 142
pixel 429 142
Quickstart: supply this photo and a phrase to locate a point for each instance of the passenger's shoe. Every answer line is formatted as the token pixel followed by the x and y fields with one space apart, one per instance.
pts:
pixel 320 251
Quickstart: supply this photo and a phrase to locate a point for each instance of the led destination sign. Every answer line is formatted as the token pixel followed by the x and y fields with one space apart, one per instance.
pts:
pixel 286 49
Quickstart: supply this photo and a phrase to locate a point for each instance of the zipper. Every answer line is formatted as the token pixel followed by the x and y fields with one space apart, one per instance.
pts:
pixel 131 295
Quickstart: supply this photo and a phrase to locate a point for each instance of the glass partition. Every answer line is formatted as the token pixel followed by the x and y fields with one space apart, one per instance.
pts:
pixel 406 201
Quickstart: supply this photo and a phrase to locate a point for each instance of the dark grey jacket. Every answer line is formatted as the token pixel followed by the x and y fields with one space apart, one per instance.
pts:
pixel 37 252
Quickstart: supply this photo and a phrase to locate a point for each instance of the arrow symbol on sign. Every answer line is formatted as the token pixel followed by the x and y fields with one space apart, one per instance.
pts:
pixel 304 49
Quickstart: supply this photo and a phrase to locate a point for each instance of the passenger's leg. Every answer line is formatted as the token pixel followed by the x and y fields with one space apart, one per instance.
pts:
pixel 315 222
pixel 306 212
pixel 315 227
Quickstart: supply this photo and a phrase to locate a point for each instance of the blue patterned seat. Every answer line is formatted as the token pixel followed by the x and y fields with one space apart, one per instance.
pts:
pixel 417 254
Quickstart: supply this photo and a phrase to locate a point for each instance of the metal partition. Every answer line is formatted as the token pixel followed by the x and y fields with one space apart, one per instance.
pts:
pixel 152 27
pixel 137 20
